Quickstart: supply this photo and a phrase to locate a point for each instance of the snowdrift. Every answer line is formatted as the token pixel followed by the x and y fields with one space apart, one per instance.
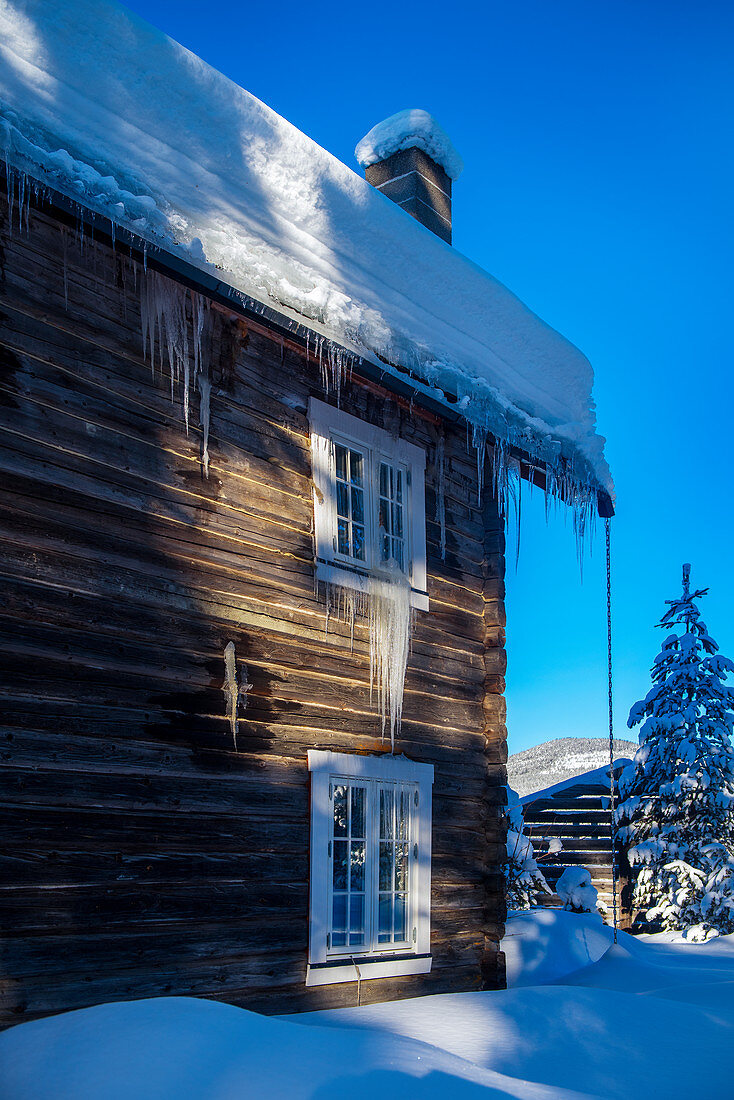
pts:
pixel 180 1048
pixel 545 945
pixel 643 1019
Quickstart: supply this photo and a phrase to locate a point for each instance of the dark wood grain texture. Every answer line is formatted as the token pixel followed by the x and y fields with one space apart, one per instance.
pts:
pixel 141 854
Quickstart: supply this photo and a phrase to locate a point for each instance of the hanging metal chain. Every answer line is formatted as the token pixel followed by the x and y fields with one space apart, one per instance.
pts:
pixel 612 791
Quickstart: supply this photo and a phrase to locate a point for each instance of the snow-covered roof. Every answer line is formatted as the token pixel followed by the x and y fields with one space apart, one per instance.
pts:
pixel 413 128
pixel 597 778
pixel 100 106
pixel 562 758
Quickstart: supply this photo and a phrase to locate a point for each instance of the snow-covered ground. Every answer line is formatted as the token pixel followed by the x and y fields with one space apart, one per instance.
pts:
pixel 583 1018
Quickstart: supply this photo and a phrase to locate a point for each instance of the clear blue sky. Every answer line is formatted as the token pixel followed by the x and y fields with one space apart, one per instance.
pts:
pixel 599 147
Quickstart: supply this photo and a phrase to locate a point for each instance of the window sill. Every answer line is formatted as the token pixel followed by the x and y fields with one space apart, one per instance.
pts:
pixel 343 970
pixel 335 573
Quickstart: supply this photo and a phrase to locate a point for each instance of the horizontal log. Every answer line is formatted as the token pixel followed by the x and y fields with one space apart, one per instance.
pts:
pixel 239 603
pixel 540 829
pixel 110 754
pixel 580 859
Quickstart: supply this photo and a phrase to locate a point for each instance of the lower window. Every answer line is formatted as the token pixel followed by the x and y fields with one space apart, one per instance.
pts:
pixel 370 866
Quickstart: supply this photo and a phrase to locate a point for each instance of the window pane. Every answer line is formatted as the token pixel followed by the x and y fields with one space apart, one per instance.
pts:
pixel 384 480
pixel 356 881
pixel 340 811
pixel 342 499
pixel 401 867
pixel 359 541
pixel 385 918
pixel 401 931
pixel 399 485
pixel 358 812
pixel 356 913
pixel 339 915
pixel 340 864
pixel 397 552
pixel 385 866
pixel 356 467
pixel 385 516
pixel 340 453
pixel 403 810
pixel 343 536
pixel 357 505
pixel 386 812
pixel 397 520
pixel 385 548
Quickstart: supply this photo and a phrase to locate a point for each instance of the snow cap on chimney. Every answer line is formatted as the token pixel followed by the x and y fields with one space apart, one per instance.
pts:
pixel 413 162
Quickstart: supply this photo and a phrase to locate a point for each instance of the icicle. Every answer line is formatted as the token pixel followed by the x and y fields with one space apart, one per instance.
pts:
pixel 10 188
pixel 233 690
pixel 164 315
pixel 479 442
pixel 518 521
pixel 387 607
pixel 391 622
pixel 66 272
pixel 21 200
pixel 441 491
pixel 205 389
pixel 199 308
pixel 335 365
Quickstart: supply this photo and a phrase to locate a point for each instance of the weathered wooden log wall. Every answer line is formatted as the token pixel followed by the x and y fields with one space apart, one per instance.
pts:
pixel 577 814
pixel 141 854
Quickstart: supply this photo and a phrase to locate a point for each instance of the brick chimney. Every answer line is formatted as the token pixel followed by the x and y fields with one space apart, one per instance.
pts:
pixel 411 160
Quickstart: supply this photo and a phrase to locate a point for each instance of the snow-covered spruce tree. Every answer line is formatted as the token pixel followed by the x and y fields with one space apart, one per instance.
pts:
pixel 524 881
pixel 676 799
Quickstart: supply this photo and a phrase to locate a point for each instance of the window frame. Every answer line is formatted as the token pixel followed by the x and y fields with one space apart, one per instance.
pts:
pixel 330 426
pixel 329 965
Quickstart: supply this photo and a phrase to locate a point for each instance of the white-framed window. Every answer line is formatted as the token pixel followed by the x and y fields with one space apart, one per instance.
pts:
pixel 369 502
pixel 370 867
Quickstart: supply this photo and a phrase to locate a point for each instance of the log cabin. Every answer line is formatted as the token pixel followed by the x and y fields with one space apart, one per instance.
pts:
pixel 259 425
pixel 575 811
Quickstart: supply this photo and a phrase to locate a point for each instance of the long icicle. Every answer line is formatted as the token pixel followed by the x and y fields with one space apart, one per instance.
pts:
pixel 386 605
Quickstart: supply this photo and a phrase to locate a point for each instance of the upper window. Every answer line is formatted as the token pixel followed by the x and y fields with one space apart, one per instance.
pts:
pixel 369 503
pixel 370 866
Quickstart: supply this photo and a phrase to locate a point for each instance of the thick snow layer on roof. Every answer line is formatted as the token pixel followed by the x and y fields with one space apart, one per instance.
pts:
pixel 409 129
pixel 97 104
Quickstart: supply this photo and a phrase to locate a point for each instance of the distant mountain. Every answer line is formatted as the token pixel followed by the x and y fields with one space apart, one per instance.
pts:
pixel 544 765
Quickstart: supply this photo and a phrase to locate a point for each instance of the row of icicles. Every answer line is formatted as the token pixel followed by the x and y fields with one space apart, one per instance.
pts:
pixel 164 313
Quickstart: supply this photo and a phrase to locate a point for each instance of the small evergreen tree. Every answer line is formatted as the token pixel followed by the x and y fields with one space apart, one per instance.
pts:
pixel 524 881
pixel 676 798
